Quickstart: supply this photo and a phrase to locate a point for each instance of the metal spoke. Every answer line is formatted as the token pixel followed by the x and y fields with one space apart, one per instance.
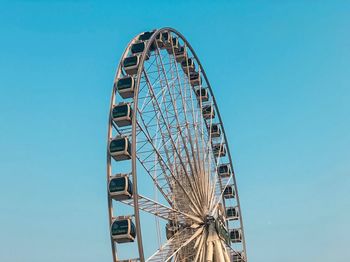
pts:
pixel 174 245
pixel 150 206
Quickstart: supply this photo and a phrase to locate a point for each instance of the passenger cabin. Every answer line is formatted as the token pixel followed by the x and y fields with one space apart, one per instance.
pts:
pixel 229 192
pixel 125 87
pixel 208 112
pixel 180 54
pixel 195 79
pixel 146 36
pixel 131 64
pixel 202 93
pixel 232 213
pixel 174 45
pixel 121 114
pixel 215 130
pixel 224 170
pixel 175 42
pixel 219 150
pixel 120 187
pixel 138 48
pixel 188 65
pixel 120 148
pixel 123 230
pixel 236 235
pixel 163 40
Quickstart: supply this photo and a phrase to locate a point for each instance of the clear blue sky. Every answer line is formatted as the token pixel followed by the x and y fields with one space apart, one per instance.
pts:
pixel 281 75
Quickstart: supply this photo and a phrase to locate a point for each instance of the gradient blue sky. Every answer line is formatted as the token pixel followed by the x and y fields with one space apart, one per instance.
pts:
pixel 281 75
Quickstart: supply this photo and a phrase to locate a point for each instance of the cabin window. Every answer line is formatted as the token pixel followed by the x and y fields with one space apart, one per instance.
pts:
pixel 120 111
pixel 232 212
pixel 201 92
pixel 235 234
pixel 229 191
pixel 207 109
pixel 175 41
pixel 187 62
pixel 180 50
pixel 130 61
pixel 117 184
pixel 118 145
pixel 145 36
pixel 214 128
pixel 120 227
pixel 124 83
pixel 223 169
pixel 165 36
pixel 194 75
pixel 219 148
pixel 138 47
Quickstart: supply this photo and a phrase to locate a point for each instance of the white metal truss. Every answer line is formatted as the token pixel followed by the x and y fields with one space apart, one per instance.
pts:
pixel 174 245
pixel 159 210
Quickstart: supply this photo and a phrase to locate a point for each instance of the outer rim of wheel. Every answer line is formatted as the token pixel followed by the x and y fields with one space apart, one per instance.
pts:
pixel 133 136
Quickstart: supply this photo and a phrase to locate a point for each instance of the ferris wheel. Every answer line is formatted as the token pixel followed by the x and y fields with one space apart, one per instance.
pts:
pixel 172 193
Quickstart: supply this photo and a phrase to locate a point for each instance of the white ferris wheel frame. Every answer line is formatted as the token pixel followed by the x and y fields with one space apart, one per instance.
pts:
pixel 139 202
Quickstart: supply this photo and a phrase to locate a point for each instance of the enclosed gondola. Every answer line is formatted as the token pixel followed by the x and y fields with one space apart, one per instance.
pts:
pixel 232 213
pixel 125 86
pixel 138 48
pixel 188 65
pixel 180 54
pixel 131 64
pixel 219 150
pixel 163 40
pixel 229 192
pixel 224 170
pixel 123 230
pixel 174 45
pixel 195 79
pixel 146 36
pixel 215 130
pixel 202 93
pixel 122 114
pixel 208 112
pixel 236 235
pixel 120 148
pixel 120 187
